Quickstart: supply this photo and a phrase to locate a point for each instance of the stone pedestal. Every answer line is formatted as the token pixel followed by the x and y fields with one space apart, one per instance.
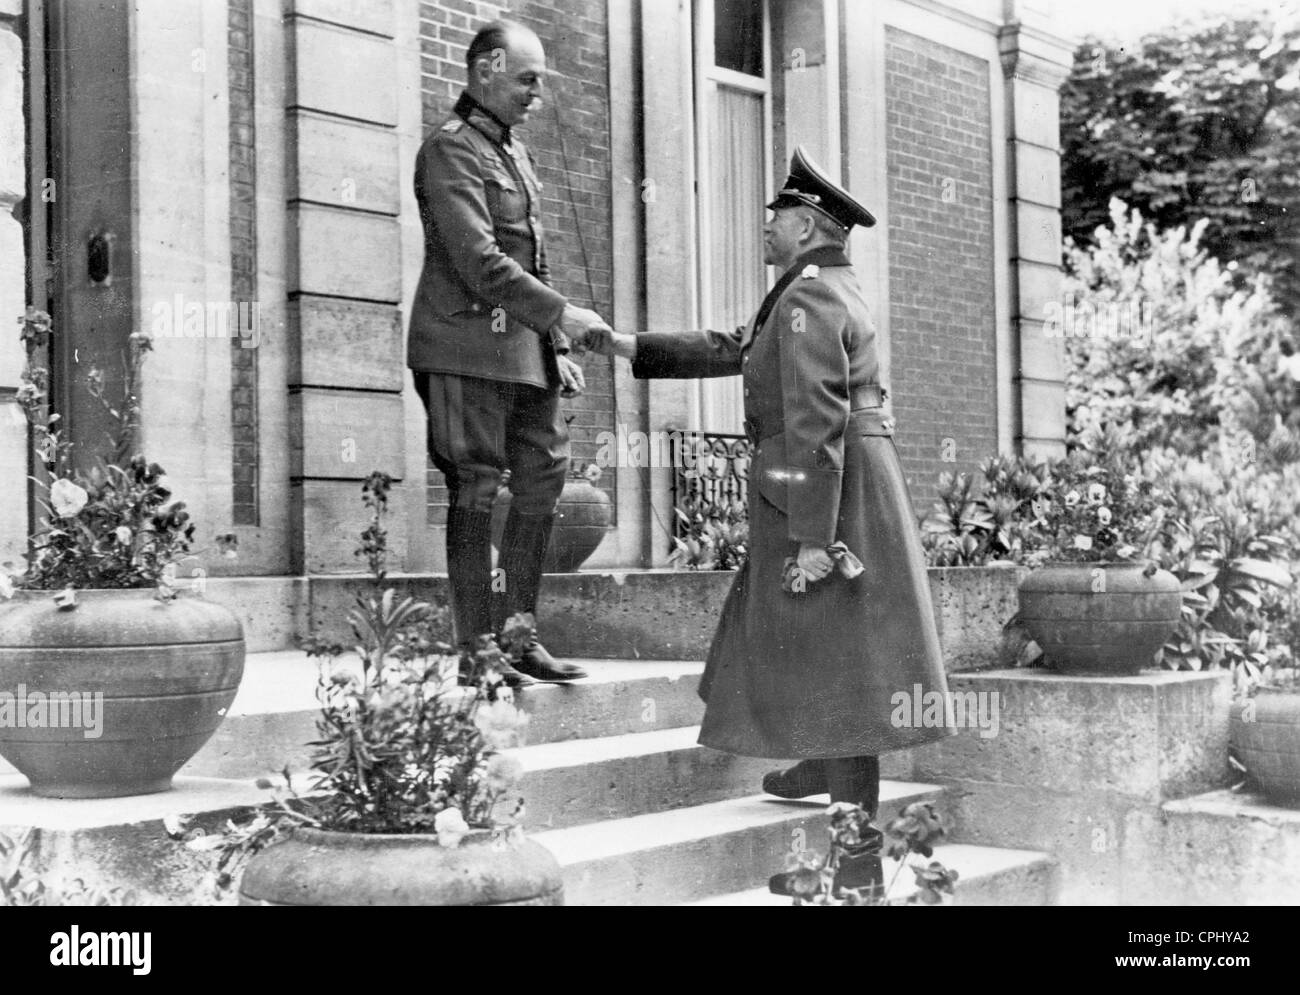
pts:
pixel 1080 766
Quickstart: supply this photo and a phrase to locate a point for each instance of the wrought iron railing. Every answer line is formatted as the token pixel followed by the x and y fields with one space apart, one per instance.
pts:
pixel 710 479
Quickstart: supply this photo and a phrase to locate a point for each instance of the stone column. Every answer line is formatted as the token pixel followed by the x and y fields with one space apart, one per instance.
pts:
pixel 344 276
pixel 13 187
pixel 1035 63
pixel 670 257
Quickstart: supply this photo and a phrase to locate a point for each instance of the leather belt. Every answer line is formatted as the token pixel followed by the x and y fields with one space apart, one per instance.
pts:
pixel 866 418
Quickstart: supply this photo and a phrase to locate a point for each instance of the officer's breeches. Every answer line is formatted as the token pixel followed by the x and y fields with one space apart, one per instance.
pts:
pixel 479 428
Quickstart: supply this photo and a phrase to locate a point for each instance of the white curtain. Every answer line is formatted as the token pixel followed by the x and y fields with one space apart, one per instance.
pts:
pixel 733 255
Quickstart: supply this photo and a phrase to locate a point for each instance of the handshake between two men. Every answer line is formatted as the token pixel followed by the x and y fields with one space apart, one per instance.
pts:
pixel 588 332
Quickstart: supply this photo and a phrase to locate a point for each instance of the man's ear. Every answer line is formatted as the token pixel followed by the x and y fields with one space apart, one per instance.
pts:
pixel 481 71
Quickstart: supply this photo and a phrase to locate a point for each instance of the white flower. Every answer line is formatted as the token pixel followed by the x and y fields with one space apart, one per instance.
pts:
pixel 1103 515
pixel 1096 493
pixel 502 724
pixel 6 586
pixel 1083 542
pixel 1071 499
pixel 811 271
pixel 503 773
pixel 67 498
pixel 1291 365
pixel 123 535
pixel 450 826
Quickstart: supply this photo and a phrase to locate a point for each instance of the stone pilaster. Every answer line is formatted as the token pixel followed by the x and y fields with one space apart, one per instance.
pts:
pixel 1035 63
pixel 13 188
pixel 344 275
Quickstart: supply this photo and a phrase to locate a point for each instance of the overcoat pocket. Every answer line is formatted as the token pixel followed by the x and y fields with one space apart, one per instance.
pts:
pixel 771 472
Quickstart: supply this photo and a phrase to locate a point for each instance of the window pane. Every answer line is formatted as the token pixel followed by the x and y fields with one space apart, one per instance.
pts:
pixel 738 35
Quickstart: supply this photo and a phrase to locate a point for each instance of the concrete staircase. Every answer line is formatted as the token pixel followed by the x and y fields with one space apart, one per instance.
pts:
pixel 616 787
pixel 1089 790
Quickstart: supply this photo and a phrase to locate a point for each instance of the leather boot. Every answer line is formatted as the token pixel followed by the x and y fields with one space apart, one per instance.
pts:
pixel 523 547
pixel 469 573
pixel 807 777
pixel 857 780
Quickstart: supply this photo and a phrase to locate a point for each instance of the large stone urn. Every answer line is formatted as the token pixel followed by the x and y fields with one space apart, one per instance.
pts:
pixel 583 516
pixel 113 695
pixel 1266 732
pixel 320 867
pixel 1099 618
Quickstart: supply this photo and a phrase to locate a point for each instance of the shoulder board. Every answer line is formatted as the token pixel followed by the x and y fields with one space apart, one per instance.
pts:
pixel 453 126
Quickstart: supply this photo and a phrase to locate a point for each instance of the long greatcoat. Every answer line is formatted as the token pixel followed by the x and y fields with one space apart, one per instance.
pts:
pixel 815 674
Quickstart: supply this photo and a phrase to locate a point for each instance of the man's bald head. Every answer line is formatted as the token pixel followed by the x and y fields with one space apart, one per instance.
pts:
pixel 506 70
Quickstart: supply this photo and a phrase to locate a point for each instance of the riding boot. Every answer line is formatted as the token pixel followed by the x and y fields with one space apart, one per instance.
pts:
pixel 523 547
pixel 469 575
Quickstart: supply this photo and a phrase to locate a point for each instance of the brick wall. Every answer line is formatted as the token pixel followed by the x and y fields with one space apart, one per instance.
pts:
pixel 569 138
pixel 941 261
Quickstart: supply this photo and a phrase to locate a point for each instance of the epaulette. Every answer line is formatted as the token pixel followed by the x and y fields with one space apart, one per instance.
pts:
pixel 453 126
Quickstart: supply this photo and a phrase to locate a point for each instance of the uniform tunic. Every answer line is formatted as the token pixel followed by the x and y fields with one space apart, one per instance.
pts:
pixel 815 674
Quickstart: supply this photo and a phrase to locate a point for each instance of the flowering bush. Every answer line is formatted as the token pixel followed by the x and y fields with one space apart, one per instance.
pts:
pixel 713 536
pixel 984 520
pixel 115 524
pixel 1093 508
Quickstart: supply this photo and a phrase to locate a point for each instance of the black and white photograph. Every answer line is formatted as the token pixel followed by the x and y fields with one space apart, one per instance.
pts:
pixel 713 453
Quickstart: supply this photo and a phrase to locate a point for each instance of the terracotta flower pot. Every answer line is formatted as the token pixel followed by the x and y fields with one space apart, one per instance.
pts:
pixel 1099 618
pixel 585 513
pixel 156 678
pixel 1266 732
pixel 318 867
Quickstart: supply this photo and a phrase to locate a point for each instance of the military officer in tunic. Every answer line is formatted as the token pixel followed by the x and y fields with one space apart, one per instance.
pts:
pixel 831 616
pixel 489 340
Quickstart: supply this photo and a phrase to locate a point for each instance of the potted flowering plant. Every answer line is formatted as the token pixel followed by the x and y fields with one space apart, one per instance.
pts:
pixel 1095 605
pixel 112 678
pixel 413 799
pixel 812 879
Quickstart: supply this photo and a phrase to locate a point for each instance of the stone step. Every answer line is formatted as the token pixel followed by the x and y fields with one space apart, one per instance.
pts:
pixel 668 857
pixel 1217 848
pixel 274 714
pixel 580 781
pixel 986 876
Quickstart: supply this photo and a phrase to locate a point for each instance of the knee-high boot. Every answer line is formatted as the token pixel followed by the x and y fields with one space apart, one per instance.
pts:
pixel 469 572
pixel 523 547
pixel 857 780
pixel 469 575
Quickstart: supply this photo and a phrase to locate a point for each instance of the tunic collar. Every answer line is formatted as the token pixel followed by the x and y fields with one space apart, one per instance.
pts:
pixel 823 255
pixel 483 120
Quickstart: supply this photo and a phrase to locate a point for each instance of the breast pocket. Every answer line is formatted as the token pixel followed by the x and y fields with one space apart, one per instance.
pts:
pixel 507 202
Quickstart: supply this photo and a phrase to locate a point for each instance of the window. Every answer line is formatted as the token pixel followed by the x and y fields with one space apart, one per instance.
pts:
pixel 733 115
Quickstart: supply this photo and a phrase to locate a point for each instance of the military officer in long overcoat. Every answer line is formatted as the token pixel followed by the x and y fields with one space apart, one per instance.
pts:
pixel 808 658
pixel 489 339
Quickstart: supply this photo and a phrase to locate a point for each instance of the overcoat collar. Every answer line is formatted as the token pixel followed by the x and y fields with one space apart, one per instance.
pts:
pixel 824 255
pixel 482 120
